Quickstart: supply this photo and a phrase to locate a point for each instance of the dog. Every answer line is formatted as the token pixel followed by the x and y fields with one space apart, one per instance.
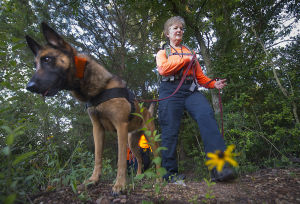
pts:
pixel 60 67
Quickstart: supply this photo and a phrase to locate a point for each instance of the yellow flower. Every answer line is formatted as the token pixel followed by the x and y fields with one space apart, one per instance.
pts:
pixel 50 137
pixel 219 158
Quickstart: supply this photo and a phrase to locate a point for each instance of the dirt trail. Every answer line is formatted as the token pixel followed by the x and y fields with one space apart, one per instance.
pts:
pixel 264 186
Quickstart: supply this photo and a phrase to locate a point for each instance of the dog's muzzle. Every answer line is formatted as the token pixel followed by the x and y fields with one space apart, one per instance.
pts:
pixel 32 87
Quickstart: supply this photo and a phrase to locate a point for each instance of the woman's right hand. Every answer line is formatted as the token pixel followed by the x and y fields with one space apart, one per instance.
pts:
pixel 220 84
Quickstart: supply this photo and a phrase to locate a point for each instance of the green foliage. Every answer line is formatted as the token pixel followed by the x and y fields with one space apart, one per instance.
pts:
pixel 27 170
pixel 10 182
pixel 209 192
pixel 152 175
pixel 47 143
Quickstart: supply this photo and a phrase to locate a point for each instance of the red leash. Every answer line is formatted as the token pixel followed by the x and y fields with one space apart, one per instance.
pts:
pixel 180 84
pixel 221 112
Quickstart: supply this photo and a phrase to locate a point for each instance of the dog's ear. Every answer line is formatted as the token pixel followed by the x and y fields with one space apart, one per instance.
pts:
pixel 51 36
pixel 34 46
pixel 55 39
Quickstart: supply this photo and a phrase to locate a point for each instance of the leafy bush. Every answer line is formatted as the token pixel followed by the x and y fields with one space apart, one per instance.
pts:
pixel 25 171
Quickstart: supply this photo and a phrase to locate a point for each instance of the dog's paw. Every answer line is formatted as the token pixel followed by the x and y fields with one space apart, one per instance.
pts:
pixel 118 194
pixel 115 194
pixel 92 179
pixel 118 189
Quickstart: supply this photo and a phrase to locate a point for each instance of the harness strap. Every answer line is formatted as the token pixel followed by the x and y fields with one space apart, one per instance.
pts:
pixel 179 85
pixel 167 48
pixel 181 54
pixel 108 94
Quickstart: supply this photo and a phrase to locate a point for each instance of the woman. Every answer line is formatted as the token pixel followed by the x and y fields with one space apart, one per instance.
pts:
pixel 172 62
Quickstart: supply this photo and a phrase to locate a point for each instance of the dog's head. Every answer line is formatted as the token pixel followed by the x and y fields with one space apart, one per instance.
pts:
pixel 53 63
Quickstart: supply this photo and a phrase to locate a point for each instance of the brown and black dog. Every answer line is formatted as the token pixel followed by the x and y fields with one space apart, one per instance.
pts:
pixel 60 67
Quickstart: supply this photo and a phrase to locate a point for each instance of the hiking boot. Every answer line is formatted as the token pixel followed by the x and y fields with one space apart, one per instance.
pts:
pixel 227 174
pixel 174 178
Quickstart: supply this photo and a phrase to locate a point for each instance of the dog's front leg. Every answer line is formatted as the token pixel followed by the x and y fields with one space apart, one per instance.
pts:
pixel 98 133
pixel 122 131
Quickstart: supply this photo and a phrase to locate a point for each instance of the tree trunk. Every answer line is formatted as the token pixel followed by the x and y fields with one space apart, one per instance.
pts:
pixel 207 61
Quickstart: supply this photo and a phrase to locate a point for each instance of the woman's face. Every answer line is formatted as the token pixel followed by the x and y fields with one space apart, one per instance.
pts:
pixel 175 32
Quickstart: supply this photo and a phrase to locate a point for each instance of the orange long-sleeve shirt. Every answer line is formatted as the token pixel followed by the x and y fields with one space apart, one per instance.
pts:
pixel 172 65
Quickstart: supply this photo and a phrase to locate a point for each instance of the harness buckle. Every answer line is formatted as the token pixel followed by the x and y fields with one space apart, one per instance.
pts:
pixel 192 87
pixel 168 78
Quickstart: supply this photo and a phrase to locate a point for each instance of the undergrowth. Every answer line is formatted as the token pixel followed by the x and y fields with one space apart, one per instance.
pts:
pixel 30 164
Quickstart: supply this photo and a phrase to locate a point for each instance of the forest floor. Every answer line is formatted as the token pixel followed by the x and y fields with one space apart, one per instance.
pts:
pixel 263 186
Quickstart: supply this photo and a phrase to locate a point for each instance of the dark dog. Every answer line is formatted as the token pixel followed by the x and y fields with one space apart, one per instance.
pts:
pixel 60 67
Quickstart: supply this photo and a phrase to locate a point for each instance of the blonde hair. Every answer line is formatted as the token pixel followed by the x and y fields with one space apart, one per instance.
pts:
pixel 171 21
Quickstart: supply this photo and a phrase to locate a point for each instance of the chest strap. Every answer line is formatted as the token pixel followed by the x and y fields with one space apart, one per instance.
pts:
pixel 174 53
pixel 108 94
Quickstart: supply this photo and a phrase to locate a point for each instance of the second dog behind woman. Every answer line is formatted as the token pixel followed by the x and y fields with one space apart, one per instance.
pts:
pixel 145 150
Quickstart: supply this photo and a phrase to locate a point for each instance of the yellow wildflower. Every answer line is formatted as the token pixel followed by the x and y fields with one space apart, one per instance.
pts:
pixel 219 158
pixel 50 137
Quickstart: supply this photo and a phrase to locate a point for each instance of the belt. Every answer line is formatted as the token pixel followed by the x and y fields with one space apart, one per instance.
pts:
pixel 186 81
pixel 177 78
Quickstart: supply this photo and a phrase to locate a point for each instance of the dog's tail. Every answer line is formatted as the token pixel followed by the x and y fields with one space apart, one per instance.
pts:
pixel 151 109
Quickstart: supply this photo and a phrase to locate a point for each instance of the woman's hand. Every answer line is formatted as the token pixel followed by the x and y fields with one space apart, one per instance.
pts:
pixel 220 84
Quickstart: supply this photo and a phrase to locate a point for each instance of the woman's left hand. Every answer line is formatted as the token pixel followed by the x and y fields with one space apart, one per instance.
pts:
pixel 220 84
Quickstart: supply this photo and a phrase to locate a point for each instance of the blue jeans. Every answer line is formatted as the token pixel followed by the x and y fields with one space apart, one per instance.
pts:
pixel 170 112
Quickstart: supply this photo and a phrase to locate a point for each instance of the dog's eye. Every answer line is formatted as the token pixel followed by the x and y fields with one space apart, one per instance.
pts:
pixel 46 59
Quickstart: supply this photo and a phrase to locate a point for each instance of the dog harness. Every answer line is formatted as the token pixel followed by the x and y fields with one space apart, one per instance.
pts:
pixel 108 94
